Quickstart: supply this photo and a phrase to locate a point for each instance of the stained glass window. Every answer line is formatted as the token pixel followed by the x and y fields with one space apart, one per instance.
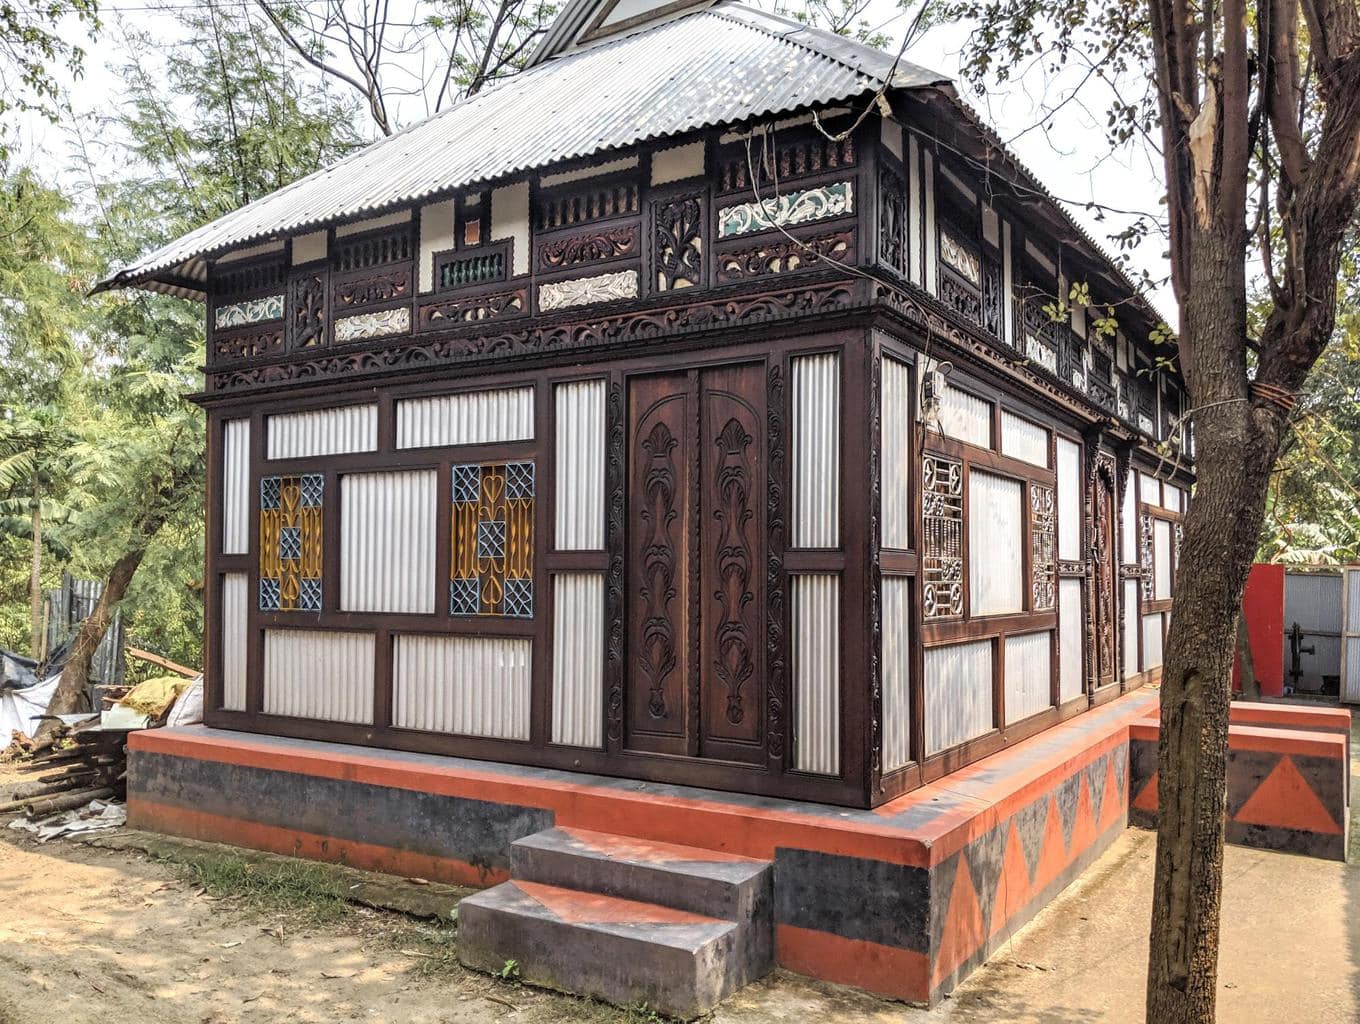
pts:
pixel 492 564
pixel 291 542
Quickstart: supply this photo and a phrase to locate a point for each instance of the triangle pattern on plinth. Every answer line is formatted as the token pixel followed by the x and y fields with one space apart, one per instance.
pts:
pixel 1012 884
pixel 1096 772
pixel 1285 800
pixel 1146 800
pixel 963 933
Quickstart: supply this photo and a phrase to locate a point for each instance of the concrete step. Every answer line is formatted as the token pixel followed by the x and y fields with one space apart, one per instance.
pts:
pixel 625 952
pixel 717 885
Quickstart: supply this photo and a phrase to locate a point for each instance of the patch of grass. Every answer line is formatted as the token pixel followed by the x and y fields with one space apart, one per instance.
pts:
pixel 298 888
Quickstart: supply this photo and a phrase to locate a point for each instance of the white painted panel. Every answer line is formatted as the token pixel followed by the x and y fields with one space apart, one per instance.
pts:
pixel 387 541
pixel 1029 675
pixel 897 648
pixel 1152 641
pixel 1149 489
pixel 579 508
pixel 1161 559
pixel 469 417
pixel 1070 637
pixel 1023 440
pixel 816 672
pixel 623 163
pixel 678 163
pixel 235 606
pixel 995 544
pixel 1171 497
pixel 384 220
pixel 321 674
pixel 965 417
pixel 470 685
pixel 235 487
pixel 914 214
pixel 1007 286
pixel 436 235
pixel 301 435
pixel 578 658
pixel 510 219
pixel 891 134
pixel 958 694
pixel 1128 526
pixel 895 430
pixel 310 248
pixel 991 225
pixel 1069 500
pixel 816 451
pixel 1129 610
pixel 931 240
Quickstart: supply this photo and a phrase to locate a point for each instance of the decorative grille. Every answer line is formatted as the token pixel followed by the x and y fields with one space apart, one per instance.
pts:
pixel 942 562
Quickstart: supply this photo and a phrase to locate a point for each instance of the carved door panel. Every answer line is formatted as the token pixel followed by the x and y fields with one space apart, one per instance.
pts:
pixel 1104 577
pixel 696 555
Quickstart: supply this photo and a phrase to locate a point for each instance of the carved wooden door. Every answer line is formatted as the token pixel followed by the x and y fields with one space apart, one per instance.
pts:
pixel 1105 626
pixel 696 557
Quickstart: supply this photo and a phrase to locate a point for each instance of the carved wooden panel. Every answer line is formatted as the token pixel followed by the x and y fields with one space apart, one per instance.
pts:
pixel 942 554
pixel 605 243
pixel 732 467
pixel 370 287
pixel 373 249
pixel 811 155
pixel 1104 579
pixel 892 221
pixel 782 256
pixel 471 309
pixel 678 242
pixel 658 553
pixel 305 325
pixel 1043 549
pixel 586 202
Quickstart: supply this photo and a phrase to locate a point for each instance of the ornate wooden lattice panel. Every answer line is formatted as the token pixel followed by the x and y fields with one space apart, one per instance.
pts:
pixel 1145 554
pixel 291 546
pixel 678 243
pixel 492 566
pixel 1043 555
pixel 942 557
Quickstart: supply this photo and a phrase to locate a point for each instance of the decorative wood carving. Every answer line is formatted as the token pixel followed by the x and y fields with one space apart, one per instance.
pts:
pixel 248 343
pixel 875 594
pixel 677 242
pixel 373 249
pixel 477 344
pixel 491 567
pixel 731 484
pixel 1145 560
pixel 616 474
pixel 942 547
pixel 892 221
pixel 586 203
pixel 248 311
pixel 590 247
pixel 453 270
pixel 781 256
pixel 1043 541
pixel 241 279
pixel 803 158
pixel 993 297
pixel 775 579
pixel 371 287
pixel 306 325
pixel 583 291
pixel 468 309
pixel 291 542
pixel 1102 518
pixel 787 209
pixel 373 325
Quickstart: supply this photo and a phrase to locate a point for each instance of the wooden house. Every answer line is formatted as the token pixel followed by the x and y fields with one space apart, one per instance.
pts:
pixel 703 405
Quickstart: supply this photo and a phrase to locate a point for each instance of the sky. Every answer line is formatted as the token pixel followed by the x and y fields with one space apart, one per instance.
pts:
pixel 1068 153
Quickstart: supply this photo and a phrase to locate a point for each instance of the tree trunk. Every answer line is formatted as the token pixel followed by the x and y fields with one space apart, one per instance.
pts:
pixel 35 579
pixel 1237 441
pixel 1246 663
pixel 75 676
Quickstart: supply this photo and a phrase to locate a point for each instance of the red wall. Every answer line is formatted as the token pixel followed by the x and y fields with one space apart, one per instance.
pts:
pixel 1263 606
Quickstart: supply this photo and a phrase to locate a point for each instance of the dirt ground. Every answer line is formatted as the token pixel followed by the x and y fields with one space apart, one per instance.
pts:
pixel 89 934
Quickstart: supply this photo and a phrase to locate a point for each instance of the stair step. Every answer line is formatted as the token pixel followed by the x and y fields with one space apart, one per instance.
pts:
pixel 719 885
pixel 625 952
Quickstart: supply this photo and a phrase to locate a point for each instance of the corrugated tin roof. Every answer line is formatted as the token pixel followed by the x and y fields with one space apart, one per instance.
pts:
pixel 721 65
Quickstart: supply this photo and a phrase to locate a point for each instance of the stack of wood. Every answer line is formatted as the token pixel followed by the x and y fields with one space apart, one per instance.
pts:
pixel 73 767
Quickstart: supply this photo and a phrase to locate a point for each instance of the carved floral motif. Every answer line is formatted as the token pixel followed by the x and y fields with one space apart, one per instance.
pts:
pixel 306 311
pixel 591 247
pixel 474 309
pixel 656 658
pixel 678 243
pixel 782 256
pixel 734 663
pixel 834 200
pixel 1043 565
pixel 373 325
pixel 248 311
pixel 581 291
pixel 942 555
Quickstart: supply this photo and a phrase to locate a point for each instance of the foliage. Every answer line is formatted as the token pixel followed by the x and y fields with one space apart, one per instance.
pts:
pixel 35 41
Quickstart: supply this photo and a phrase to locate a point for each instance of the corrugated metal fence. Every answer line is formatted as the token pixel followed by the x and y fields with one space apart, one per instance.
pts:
pixel 1312 600
pixel 70 604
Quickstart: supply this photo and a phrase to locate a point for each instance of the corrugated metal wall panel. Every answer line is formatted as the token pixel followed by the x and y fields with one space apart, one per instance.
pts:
pixel 897 648
pixel 895 434
pixel 1070 637
pixel 301 435
pixel 995 544
pixel 958 693
pixel 579 508
pixel 1152 640
pixel 578 659
pixel 235 487
pixel 816 672
pixel 816 451
pixel 1352 620
pixel 319 674
pixel 1161 559
pixel 235 607
pixel 1128 526
pixel 1069 499
pixel 1350 641
pixel 965 418
pixel 387 541
pixel 1313 600
pixel 1130 613
pixel 1029 675
pixel 1021 439
pixel 470 685
pixel 469 417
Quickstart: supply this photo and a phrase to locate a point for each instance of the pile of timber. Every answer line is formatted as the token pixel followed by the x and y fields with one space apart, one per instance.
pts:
pixel 73 767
